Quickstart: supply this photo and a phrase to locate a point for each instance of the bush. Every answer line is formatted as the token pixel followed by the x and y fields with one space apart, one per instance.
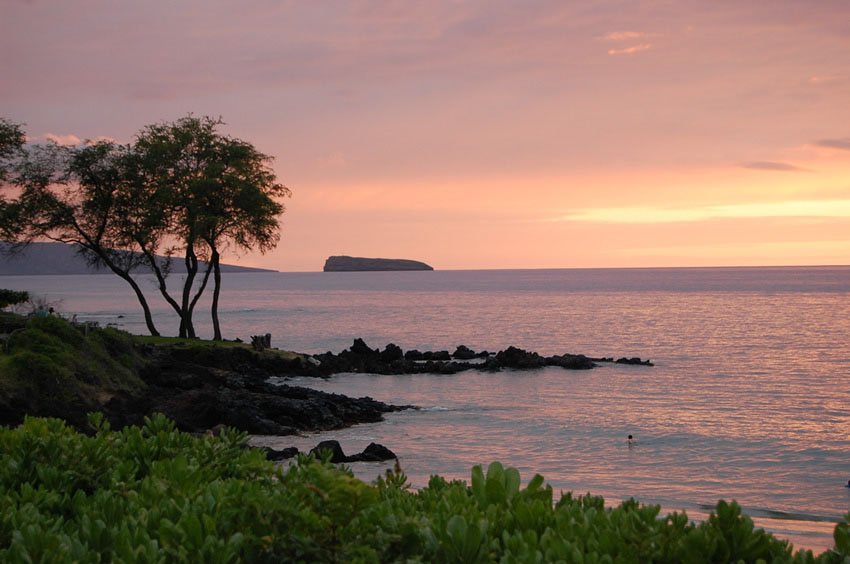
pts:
pixel 52 347
pixel 12 297
pixel 154 494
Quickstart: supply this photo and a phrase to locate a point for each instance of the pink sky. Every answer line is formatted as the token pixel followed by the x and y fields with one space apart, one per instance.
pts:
pixel 482 134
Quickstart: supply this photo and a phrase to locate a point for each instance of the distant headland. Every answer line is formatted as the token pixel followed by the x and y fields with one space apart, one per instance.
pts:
pixel 345 263
pixel 61 258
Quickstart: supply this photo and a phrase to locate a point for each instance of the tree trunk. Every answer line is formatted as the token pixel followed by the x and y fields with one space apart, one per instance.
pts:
pixel 143 301
pixel 216 290
pixel 160 278
pixel 187 330
pixel 201 289
pixel 96 249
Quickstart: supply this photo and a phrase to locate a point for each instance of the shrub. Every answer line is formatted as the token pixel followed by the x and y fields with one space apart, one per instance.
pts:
pixel 151 493
pixel 12 297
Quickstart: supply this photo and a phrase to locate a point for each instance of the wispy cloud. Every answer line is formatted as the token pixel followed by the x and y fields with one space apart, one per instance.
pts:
pixel 773 166
pixel 69 139
pixel 630 50
pixel 626 35
pixel 842 143
pixel 649 214
pixel 823 79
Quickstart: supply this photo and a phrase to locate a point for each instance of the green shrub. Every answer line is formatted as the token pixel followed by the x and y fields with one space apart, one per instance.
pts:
pixel 152 494
pixel 12 297
pixel 49 350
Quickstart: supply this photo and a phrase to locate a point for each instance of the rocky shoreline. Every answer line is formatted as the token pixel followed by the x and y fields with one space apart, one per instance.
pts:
pixel 394 360
pixel 201 389
pixel 204 387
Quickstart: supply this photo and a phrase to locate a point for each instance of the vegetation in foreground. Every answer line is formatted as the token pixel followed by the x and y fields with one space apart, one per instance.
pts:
pixel 152 494
pixel 51 367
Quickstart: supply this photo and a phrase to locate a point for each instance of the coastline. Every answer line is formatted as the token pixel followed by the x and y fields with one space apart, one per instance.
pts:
pixel 208 376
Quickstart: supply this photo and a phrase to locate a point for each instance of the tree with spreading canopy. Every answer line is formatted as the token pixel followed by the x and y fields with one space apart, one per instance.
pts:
pixel 181 189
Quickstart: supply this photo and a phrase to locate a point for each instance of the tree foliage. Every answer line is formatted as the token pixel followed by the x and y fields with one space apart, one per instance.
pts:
pixel 214 192
pixel 12 297
pixel 181 190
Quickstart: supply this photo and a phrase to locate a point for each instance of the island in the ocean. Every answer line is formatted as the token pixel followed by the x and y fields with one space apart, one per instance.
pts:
pixel 359 264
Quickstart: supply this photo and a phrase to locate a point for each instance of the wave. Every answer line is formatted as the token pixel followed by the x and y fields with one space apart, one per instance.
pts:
pixel 781 515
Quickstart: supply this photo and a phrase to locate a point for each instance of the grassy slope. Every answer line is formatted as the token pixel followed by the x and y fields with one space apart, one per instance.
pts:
pixel 52 368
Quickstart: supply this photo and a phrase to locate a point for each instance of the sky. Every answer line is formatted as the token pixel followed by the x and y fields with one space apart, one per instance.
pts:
pixel 481 134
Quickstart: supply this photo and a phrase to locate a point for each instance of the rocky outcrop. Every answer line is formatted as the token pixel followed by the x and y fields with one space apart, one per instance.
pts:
pixel 345 263
pixel 202 388
pixel 372 453
pixel 393 360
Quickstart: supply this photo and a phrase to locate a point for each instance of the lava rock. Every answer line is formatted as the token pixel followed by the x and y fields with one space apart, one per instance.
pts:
pixel 373 453
pixel 414 355
pixel 360 348
pixel 462 352
pixel 337 455
pixel 633 360
pixel 391 353
pixel 571 362
pixel 277 455
pixel 520 359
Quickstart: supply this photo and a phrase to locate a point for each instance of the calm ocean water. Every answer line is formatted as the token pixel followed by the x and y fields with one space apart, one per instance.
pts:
pixel 749 398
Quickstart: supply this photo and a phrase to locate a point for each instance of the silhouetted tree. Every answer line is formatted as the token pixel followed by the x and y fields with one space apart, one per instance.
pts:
pixel 181 189
pixel 215 191
pixel 73 195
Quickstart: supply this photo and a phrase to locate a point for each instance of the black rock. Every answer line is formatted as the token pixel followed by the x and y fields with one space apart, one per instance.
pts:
pixel 275 455
pixel 360 348
pixel 336 451
pixel 490 364
pixel 633 360
pixel 462 352
pixel 520 359
pixel 442 356
pixel 414 354
pixel 571 361
pixel 392 353
pixel 373 453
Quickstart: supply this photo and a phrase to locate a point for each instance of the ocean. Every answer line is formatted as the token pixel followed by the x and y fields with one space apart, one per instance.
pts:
pixel 749 398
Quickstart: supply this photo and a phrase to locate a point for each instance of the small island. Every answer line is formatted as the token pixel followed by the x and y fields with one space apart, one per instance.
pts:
pixel 345 263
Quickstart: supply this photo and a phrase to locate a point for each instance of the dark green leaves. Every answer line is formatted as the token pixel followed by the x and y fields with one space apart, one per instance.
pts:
pixel 152 494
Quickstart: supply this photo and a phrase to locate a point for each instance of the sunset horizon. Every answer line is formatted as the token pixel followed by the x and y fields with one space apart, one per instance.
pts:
pixel 473 135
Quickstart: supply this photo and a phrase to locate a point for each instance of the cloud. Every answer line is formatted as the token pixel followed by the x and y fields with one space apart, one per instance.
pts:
pixel 842 143
pixel 822 79
pixel 630 50
pixel 69 139
pixel 625 35
pixel 773 166
pixel 649 214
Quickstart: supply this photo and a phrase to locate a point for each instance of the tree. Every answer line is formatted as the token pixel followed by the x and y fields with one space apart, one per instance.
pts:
pixel 181 188
pixel 12 140
pixel 74 195
pixel 12 297
pixel 236 207
pixel 218 192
